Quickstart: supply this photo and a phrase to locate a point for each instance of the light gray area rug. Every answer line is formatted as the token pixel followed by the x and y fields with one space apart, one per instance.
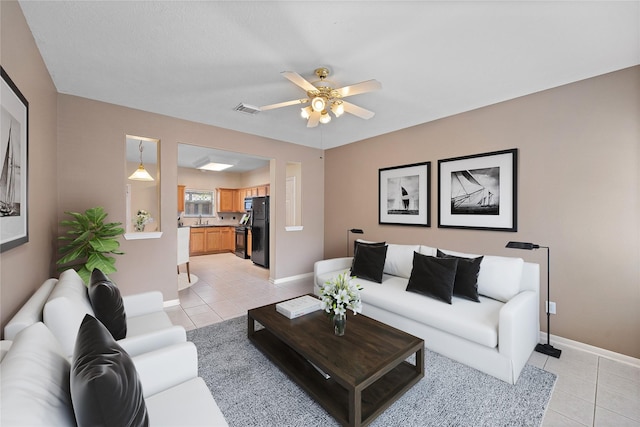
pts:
pixel 251 391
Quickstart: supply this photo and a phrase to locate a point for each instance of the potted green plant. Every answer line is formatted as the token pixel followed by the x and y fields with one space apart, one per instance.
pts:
pixel 91 241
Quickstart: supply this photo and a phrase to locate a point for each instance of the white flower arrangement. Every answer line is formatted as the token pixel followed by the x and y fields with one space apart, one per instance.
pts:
pixel 341 294
pixel 142 217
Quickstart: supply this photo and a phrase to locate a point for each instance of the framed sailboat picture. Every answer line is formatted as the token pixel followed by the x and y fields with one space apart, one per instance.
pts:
pixel 14 141
pixel 405 195
pixel 479 191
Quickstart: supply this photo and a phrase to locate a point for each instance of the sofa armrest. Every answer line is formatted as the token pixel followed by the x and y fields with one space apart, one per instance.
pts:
pixel 519 327
pixel 155 340
pixel 143 303
pixel 5 345
pixel 31 311
pixel 327 266
pixel 162 369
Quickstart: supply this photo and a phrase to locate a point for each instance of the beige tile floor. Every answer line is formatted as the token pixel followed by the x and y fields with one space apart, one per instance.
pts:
pixel 590 391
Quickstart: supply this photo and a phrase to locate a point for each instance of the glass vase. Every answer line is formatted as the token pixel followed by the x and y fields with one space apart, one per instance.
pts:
pixel 339 324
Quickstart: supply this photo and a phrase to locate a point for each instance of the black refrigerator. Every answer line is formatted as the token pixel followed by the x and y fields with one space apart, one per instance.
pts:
pixel 260 231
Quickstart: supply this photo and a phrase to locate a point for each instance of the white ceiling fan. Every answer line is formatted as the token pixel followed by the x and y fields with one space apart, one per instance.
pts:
pixel 324 98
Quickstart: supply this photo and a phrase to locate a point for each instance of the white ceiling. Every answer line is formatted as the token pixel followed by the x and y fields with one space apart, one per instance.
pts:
pixel 198 60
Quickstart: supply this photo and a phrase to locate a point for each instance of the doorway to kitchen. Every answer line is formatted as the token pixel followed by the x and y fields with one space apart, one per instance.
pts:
pixel 228 287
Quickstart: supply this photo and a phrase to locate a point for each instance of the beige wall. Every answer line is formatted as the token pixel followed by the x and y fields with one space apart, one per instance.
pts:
pixel 578 192
pixel 91 138
pixel 24 268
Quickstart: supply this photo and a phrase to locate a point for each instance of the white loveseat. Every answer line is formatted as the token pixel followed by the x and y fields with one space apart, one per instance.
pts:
pixel 62 304
pixel 495 335
pixel 36 360
pixel 35 384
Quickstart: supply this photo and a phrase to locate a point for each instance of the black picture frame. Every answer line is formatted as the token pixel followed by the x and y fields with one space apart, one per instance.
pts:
pixel 14 165
pixel 404 195
pixel 479 191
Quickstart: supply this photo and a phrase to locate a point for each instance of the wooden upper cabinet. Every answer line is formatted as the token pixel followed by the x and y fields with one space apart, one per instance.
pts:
pixel 239 200
pixel 181 198
pixel 232 200
pixel 226 198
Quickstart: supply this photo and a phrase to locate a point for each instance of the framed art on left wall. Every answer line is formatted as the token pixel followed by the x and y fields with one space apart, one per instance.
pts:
pixel 14 170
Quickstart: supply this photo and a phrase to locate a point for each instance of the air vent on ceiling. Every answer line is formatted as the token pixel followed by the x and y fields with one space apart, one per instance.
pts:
pixel 248 109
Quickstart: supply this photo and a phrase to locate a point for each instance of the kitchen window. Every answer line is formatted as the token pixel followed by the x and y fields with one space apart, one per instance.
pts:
pixel 198 202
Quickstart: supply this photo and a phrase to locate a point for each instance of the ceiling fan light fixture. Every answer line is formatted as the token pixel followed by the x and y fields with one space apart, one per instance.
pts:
pixel 305 112
pixel 325 117
pixel 337 108
pixel 318 103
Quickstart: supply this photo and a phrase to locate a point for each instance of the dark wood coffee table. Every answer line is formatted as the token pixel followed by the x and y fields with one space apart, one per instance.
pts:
pixel 367 366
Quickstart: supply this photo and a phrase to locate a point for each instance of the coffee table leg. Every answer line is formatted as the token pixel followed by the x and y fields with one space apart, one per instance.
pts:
pixel 420 361
pixel 355 407
pixel 250 326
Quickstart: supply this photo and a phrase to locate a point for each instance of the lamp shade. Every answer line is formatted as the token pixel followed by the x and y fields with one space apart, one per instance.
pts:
pixel 141 174
pixel 318 103
pixel 522 245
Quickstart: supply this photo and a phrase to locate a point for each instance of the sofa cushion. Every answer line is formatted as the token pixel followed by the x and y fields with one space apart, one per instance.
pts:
pixel 399 260
pixel 105 388
pixel 35 381
pixel 427 250
pixel 433 276
pixel 107 305
pixel 368 262
pixel 65 308
pixel 466 284
pixel 499 277
pixel 187 404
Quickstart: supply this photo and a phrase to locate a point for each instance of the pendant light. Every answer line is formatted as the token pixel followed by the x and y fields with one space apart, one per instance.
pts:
pixel 141 173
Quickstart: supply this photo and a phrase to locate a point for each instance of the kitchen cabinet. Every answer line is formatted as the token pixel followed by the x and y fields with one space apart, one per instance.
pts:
pixel 226 197
pixel 181 198
pixel 248 243
pixel 239 200
pixel 209 240
pixel 232 200
pixel 196 241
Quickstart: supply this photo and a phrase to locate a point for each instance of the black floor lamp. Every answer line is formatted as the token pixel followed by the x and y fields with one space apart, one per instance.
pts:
pixel 547 348
pixel 354 231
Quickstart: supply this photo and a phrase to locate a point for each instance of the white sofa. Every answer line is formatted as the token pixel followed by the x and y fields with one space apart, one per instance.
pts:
pixel 35 384
pixel 495 335
pixel 62 304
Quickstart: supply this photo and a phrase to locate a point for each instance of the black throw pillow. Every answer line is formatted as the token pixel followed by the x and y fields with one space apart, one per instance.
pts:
pixel 107 304
pixel 368 262
pixel 105 388
pixel 357 243
pixel 433 276
pixel 466 284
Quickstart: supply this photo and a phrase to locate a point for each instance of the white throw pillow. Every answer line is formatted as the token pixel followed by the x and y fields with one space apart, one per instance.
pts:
pixel 35 381
pixel 499 277
pixel 399 261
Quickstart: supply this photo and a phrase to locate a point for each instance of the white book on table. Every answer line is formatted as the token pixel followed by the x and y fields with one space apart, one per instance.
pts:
pixel 298 306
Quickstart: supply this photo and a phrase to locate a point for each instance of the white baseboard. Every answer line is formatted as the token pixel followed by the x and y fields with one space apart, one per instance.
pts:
pixel 565 342
pixel 285 280
pixel 171 303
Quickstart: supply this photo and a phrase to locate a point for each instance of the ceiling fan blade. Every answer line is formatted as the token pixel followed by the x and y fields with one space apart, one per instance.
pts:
pixel 314 119
pixel 362 87
pixel 357 111
pixel 284 104
pixel 297 79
